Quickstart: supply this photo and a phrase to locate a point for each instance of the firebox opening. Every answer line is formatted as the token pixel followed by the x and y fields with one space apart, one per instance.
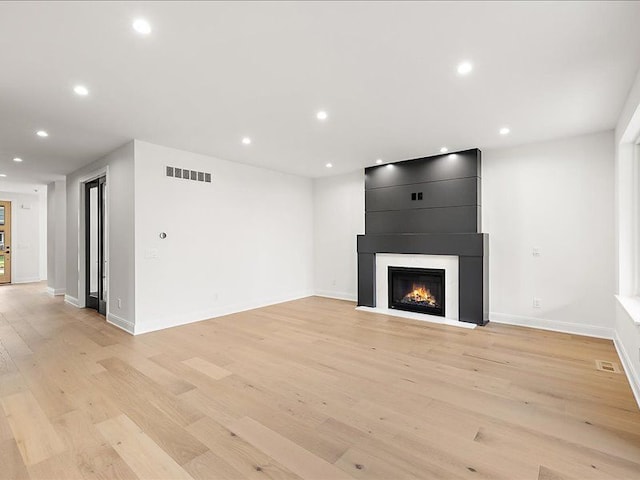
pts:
pixel 417 290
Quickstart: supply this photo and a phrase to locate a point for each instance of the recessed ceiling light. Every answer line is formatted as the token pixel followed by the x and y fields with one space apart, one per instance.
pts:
pixel 81 90
pixel 3 174
pixel 141 26
pixel 464 68
pixel 17 159
pixel 322 115
pixel 379 161
pixel 42 133
pixel 329 165
pixel 504 131
pixel 246 141
pixel 444 150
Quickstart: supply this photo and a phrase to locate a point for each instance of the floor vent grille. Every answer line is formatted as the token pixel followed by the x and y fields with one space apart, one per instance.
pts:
pixel 607 366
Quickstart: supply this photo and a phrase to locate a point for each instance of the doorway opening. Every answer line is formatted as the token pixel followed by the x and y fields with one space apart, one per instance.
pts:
pixel 5 242
pixel 95 267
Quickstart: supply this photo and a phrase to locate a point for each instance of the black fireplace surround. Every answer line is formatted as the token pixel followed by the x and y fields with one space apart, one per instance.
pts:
pixel 417 290
pixel 428 206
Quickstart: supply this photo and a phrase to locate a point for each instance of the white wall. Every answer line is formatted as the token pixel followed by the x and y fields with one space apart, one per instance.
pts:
pixel 120 241
pixel 627 320
pixel 242 241
pixel 42 220
pixel 558 197
pixel 57 237
pixel 25 236
pixel 338 214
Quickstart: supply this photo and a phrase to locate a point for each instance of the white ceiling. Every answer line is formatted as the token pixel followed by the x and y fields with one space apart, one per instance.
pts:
pixel 211 73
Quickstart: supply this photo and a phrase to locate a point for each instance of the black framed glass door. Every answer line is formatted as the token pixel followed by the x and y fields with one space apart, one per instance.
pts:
pixel 95 279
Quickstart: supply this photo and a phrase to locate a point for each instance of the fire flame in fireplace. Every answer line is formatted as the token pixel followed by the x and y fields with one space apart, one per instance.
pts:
pixel 420 294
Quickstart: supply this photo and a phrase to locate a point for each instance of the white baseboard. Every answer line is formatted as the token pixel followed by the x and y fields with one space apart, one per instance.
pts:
pixel 121 323
pixel 627 365
pixel 552 325
pixel 192 317
pixel 336 295
pixel 56 291
pixel 72 300
pixel 26 280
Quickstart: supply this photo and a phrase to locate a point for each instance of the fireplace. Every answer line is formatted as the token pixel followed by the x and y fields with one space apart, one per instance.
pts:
pixel 417 290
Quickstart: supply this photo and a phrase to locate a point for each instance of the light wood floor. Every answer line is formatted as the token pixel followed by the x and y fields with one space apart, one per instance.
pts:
pixel 305 389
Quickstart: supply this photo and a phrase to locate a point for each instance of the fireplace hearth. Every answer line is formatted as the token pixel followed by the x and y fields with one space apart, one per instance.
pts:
pixel 417 290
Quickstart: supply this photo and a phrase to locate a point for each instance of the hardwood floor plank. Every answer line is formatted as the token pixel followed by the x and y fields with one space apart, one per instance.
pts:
pixel 32 430
pixel 94 458
pixel 64 466
pixel 141 453
pixel 574 459
pixel 135 383
pixel 11 463
pixel 289 454
pixel 12 342
pixel 139 405
pixel 209 465
pixel 548 474
pixel 207 368
pixel 251 462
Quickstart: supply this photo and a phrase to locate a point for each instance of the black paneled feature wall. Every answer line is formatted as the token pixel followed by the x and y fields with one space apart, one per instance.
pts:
pixel 428 206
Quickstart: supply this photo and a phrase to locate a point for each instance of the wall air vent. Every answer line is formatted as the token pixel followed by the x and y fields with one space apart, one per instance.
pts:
pixel 186 174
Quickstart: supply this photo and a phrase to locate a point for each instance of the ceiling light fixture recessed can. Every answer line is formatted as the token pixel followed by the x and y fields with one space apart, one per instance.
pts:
pixel 3 174
pixel 328 165
pixel 42 133
pixel 141 26
pixel 444 150
pixel 17 159
pixel 379 161
pixel 246 141
pixel 322 115
pixel 464 68
pixel 81 90
pixel 505 131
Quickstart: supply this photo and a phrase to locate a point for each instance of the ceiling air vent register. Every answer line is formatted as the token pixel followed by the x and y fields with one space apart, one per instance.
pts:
pixel 186 174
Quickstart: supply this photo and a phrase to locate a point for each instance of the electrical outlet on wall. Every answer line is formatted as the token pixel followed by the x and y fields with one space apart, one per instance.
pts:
pixel 535 251
pixel 536 302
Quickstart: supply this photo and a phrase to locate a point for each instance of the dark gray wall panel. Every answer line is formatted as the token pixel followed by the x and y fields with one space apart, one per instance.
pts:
pixel 462 244
pixel 366 279
pixel 471 272
pixel 430 220
pixel 429 169
pixel 446 193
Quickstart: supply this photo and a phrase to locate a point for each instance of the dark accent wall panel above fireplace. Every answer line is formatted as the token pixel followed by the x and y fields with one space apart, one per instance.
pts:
pixel 439 194
pixel 428 206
